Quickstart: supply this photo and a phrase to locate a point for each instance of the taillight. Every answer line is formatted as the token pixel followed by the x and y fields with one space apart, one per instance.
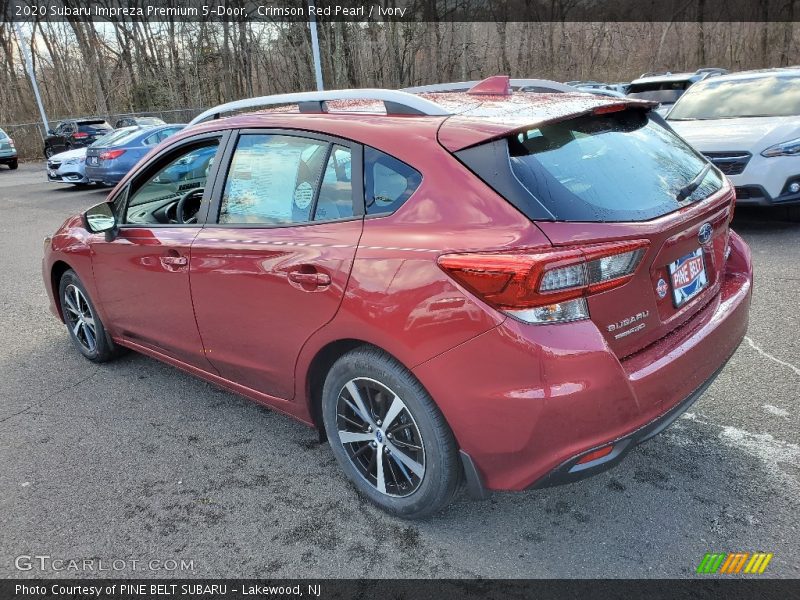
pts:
pixel 609 108
pixel 11 142
pixel 80 135
pixel 549 286
pixel 111 154
pixel 596 454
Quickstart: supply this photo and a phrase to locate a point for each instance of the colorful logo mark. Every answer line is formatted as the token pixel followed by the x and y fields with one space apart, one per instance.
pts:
pixel 731 563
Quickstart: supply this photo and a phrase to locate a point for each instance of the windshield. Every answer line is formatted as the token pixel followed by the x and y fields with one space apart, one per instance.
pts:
pixel 617 167
pixel 772 96
pixel 114 136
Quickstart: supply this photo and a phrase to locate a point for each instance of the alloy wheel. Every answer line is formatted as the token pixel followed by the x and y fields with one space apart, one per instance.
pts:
pixel 380 437
pixel 80 318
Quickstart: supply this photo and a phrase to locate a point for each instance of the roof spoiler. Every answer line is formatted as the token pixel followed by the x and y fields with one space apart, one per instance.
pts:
pixel 495 83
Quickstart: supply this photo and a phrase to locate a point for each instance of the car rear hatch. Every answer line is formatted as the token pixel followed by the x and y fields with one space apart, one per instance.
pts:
pixel 89 131
pixel 670 284
pixel 638 219
pixel 93 156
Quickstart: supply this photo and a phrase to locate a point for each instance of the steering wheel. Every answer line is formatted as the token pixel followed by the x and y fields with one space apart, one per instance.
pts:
pixel 180 208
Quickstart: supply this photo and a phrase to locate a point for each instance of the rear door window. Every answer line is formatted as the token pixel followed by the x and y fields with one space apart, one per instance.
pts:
pixel 335 200
pixel 616 167
pixel 388 182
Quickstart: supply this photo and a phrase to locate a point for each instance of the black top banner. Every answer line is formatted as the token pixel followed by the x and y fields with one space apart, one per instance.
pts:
pixel 270 11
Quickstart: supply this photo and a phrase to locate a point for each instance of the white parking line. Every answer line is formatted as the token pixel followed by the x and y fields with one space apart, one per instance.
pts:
pixel 755 347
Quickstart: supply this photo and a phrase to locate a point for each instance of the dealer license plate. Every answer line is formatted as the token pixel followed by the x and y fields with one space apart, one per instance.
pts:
pixel 688 277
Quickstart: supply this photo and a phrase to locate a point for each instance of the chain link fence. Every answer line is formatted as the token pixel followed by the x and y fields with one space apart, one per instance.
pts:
pixel 29 137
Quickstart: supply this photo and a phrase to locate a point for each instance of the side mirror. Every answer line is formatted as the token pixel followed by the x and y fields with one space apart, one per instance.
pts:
pixel 100 219
pixel 50 132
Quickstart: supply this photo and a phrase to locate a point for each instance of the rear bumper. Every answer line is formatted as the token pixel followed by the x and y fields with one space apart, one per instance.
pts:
pixel 105 176
pixel 573 470
pixel 526 402
pixel 8 158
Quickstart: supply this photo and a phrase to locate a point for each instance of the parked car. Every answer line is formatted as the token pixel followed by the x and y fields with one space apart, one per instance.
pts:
pixel 8 151
pixel 108 163
pixel 601 91
pixel 138 121
pixel 586 282
pixel 748 125
pixel 74 133
pixel 70 166
pixel 665 88
pixel 596 87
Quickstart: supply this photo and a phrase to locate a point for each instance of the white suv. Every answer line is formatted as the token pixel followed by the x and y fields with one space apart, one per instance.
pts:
pixel 748 125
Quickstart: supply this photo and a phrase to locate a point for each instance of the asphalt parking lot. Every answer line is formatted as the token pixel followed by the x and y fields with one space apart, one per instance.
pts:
pixel 135 460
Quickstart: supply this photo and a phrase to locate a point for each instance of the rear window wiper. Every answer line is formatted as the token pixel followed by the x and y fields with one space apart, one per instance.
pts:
pixel 690 187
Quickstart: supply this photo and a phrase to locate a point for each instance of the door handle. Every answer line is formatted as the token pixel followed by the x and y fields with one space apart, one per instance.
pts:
pixel 174 262
pixel 315 279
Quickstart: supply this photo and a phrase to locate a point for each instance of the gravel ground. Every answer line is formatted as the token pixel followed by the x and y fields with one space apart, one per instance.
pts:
pixel 135 460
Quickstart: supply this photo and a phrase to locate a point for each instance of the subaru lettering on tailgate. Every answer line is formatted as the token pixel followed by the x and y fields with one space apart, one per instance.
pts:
pixel 688 276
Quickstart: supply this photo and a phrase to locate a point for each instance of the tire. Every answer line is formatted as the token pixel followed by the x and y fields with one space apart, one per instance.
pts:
pixel 13 165
pixel 48 151
pixel 85 328
pixel 425 480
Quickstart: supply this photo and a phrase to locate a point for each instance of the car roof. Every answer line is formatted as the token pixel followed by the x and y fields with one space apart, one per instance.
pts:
pixel 759 73
pixel 469 120
pixel 671 77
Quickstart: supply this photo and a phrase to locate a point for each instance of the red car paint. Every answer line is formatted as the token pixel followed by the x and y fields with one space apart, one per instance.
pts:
pixel 520 398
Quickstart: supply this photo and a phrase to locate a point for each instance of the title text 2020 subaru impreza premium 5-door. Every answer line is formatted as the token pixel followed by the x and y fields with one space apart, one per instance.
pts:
pixel 495 289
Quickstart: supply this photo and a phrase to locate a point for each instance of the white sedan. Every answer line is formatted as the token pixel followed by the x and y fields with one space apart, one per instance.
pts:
pixel 68 167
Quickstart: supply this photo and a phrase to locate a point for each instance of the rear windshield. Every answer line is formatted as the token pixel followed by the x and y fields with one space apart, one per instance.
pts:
pixel 126 138
pixel 113 136
pixel 3 135
pixel 775 96
pixel 622 166
pixel 92 125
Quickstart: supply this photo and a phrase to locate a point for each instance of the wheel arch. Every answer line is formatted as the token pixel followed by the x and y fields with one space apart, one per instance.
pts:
pixel 56 273
pixel 317 370
pixel 321 364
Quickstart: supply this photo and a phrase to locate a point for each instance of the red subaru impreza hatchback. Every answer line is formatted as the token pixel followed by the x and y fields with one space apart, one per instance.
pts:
pixel 505 289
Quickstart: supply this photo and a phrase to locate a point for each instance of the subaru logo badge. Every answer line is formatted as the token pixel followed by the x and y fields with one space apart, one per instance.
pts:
pixel 704 235
pixel 661 288
pixel 379 436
